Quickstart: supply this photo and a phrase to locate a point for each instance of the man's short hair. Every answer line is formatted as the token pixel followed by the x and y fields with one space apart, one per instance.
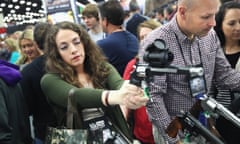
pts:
pixel 91 10
pixel 112 11
pixel 133 6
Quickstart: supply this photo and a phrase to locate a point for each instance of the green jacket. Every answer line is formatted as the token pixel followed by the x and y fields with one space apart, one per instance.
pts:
pixel 56 90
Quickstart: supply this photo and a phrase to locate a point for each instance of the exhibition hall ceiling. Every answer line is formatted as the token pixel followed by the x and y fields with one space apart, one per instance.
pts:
pixel 20 10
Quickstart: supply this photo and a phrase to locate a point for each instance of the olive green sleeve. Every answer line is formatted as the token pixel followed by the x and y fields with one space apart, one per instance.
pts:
pixel 114 80
pixel 56 90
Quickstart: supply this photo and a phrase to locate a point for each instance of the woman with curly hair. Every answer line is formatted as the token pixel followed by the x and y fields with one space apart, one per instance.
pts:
pixel 74 61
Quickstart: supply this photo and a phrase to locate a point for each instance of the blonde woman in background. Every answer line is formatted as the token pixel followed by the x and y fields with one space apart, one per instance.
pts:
pixel 16 34
pixel 28 47
pixel 13 49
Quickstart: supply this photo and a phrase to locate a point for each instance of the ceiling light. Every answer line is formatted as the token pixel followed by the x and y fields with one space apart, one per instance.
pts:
pixel 22 2
pixel 28 3
pixel 34 4
pixel 12 11
pixel 8 20
pixel 3 4
pixel 14 1
pixel 42 15
pixel 17 7
pixel 28 8
pixel 41 11
pixel 10 6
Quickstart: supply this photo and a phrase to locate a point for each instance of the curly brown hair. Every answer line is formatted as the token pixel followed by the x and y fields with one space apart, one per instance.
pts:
pixel 94 64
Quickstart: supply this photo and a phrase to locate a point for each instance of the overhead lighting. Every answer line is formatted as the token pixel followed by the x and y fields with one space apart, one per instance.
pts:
pixel 28 8
pixel 3 4
pixel 1 9
pixel 28 3
pixel 41 11
pixel 12 11
pixel 10 6
pixel 34 4
pixel 22 2
pixel 17 7
pixel 14 1
pixel 42 15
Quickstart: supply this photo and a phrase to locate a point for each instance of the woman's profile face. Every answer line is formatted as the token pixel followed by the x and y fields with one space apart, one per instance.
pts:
pixel 231 24
pixel 70 47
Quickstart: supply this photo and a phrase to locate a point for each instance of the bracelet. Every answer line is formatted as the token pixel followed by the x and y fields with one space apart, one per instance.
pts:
pixel 106 98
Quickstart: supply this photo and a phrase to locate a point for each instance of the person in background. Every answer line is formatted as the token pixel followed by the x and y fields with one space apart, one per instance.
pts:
pixel 169 12
pixel 13 49
pixel 38 106
pixel 160 15
pixel 126 15
pixel 74 61
pixel 4 54
pixel 142 31
pixel 120 46
pixel 125 4
pixel 90 16
pixel 14 126
pixel 228 30
pixel 192 40
pixel 28 47
pixel 135 17
pixel 16 34
pixel 142 127
pixel 151 15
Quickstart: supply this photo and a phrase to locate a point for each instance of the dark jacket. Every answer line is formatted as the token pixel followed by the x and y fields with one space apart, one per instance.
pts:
pixel 14 124
pixel 38 106
pixel 133 22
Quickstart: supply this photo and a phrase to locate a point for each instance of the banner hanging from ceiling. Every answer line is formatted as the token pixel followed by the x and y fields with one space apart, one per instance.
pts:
pixel 54 6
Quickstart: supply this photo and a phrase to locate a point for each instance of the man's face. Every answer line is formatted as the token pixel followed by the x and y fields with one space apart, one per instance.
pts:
pixel 90 21
pixel 200 18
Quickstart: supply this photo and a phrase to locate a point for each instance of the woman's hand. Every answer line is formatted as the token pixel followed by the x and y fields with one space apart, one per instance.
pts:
pixel 128 95
pixel 135 101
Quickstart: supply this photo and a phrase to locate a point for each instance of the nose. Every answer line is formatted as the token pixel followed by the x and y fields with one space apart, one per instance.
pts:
pixel 73 49
pixel 212 22
pixel 85 20
pixel 238 26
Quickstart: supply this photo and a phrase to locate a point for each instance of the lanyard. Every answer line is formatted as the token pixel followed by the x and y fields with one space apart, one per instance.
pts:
pixel 191 56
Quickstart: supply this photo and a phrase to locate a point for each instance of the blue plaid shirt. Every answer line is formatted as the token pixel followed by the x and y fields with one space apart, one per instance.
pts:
pixel 170 93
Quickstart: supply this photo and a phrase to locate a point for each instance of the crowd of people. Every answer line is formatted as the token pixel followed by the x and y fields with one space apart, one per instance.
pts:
pixel 41 64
